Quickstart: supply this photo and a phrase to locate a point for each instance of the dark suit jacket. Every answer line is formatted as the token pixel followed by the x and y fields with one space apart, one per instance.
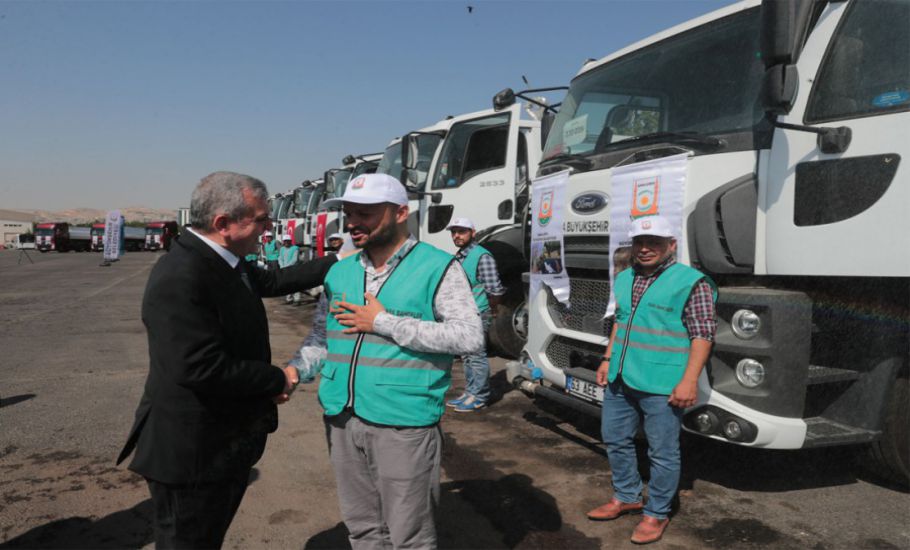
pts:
pixel 207 403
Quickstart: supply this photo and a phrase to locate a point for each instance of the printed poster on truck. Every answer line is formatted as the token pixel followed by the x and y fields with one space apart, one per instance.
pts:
pixel 113 235
pixel 547 207
pixel 651 188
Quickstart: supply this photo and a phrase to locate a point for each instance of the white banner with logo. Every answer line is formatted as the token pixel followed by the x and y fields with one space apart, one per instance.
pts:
pixel 651 188
pixel 547 252
pixel 113 235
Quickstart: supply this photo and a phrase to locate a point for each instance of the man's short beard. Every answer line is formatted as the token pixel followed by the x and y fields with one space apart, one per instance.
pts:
pixel 384 235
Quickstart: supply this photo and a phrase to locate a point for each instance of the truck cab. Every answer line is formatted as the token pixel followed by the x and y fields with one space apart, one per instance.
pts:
pixel 793 119
pixel 52 236
pixel 159 235
pixel 97 234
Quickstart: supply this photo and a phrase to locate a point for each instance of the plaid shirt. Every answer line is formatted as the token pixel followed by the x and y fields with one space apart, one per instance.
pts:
pixel 698 316
pixel 487 273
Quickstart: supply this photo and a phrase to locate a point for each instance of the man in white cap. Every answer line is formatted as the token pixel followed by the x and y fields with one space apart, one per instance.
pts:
pixel 335 241
pixel 657 349
pixel 288 256
pixel 400 310
pixel 480 267
pixel 270 250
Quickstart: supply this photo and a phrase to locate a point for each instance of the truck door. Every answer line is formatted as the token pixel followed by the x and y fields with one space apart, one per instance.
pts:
pixel 834 214
pixel 475 174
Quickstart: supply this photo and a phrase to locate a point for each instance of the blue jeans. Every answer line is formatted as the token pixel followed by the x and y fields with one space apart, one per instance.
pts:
pixel 477 367
pixel 623 409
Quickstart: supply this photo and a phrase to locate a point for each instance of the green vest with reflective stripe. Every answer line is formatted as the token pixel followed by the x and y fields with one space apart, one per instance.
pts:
pixel 271 251
pixel 382 382
pixel 652 345
pixel 470 264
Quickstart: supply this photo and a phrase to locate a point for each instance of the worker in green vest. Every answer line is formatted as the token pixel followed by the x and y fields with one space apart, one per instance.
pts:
pixel 270 249
pixel 392 318
pixel 288 256
pixel 661 338
pixel 480 267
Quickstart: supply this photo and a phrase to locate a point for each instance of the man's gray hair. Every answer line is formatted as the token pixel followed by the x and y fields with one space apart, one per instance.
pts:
pixel 222 193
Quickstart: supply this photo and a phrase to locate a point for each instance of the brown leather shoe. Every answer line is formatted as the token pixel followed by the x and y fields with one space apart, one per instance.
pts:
pixel 614 509
pixel 649 530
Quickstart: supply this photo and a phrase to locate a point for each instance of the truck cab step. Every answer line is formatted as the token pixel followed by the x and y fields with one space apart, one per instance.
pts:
pixel 821 432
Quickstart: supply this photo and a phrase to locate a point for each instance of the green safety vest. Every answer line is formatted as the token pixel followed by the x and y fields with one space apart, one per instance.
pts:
pixel 378 380
pixel 653 354
pixel 287 256
pixel 470 264
pixel 271 251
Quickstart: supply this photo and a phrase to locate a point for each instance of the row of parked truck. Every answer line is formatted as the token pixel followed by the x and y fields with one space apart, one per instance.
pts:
pixel 62 237
pixel 795 117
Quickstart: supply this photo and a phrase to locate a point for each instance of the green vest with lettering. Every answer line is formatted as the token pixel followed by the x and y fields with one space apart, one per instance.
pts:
pixel 470 263
pixel 287 255
pixel 651 349
pixel 380 381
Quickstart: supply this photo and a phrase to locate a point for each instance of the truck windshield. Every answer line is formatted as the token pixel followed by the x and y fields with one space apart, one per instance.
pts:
pixel 364 168
pixel 153 231
pixel 274 206
pixel 315 200
pixel 699 83
pixel 391 161
pixel 284 204
pixel 97 231
pixel 341 179
pixel 44 232
pixel 302 199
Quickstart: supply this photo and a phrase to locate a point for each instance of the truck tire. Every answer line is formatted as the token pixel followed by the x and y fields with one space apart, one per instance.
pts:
pixel 508 332
pixel 889 457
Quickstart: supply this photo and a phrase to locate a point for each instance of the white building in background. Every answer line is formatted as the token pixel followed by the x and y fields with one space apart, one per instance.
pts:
pixel 13 223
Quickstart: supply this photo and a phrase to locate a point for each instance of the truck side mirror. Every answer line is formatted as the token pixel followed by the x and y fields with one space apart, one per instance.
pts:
pixel 329 178
pixel 545 124
pixel 348 160
pixel 504 99
pixel 784 27
pixel 779 87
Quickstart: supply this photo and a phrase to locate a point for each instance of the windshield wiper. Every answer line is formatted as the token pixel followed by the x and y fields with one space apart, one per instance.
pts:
pixel 569 158
pixel 687 138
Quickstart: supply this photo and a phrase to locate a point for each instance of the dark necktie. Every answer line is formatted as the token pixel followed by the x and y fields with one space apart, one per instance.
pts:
pixel 244 276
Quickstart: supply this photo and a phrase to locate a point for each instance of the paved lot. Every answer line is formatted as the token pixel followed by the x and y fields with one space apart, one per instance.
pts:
pixel 73 359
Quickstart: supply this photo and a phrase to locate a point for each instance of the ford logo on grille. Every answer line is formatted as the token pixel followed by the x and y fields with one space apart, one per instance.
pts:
pixel 589 203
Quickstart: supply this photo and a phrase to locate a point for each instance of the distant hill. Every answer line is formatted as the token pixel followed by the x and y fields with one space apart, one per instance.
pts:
pixel 87 215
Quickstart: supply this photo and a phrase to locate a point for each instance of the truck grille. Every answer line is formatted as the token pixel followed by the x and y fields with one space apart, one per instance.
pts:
pixel 564 353
pixel 589 299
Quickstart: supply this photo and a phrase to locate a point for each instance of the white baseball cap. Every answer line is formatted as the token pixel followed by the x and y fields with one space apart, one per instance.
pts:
pixel 657 226
pixel 267 234
pixel 372 189
pixel 285 237
pixel 335 236
pixel 461 222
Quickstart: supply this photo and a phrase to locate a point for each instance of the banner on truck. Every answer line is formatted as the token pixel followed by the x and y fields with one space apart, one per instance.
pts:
pixel 113 235
pixel 650 188
pixel 547 251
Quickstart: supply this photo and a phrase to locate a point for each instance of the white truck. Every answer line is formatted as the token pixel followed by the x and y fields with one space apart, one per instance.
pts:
pixel 477 165
pixel 795 117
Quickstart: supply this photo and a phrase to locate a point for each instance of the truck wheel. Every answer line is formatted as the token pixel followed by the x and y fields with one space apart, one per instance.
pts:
pixel 889 457
pixel 509 330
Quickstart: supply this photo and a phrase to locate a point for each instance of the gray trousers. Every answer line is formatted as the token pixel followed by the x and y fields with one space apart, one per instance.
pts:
pixel 388 482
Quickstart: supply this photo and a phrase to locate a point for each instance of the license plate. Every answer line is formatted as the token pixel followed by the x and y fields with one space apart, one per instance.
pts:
pixel 584 389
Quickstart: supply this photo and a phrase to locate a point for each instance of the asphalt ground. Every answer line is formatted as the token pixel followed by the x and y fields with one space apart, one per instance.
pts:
pixel 519 474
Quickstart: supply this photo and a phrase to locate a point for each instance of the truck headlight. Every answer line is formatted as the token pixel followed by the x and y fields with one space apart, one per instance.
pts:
pixel 750 373
pixel 746 324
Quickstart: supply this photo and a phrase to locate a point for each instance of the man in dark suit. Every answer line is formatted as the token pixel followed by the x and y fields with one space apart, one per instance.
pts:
pixel 211 391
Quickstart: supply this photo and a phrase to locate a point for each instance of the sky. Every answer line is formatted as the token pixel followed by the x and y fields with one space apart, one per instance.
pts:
pixel 111 104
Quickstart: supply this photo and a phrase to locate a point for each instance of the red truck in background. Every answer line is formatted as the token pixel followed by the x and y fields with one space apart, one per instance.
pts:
pixel 52 236
pixel 159 235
